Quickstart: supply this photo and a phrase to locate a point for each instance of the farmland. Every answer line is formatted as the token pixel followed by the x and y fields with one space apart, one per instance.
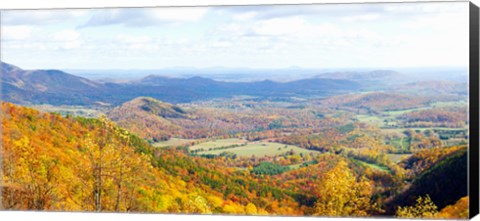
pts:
pixel 247 149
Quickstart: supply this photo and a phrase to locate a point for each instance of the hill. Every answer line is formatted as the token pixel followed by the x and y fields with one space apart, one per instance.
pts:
pixel 78 164
pixel 374 101
pixel 149 118
pixel 47 86
pixel 158 121
pixel 450 90
pixel 443 181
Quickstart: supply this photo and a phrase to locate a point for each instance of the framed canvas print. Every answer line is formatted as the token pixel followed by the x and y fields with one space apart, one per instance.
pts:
pixel 308 110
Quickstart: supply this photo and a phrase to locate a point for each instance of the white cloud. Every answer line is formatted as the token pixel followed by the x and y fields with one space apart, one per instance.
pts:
pixel 145 16
pixel 68 39
pixel 179 14
pixel 66 35
pixel 129 39
pixel 281 26
pixel 41 17
pixel 425 8
pixel 17 32
pixel 364 17
pixel 328 35
pixel 244 16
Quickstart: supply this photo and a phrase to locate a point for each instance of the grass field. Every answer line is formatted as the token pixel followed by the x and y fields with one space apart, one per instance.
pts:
pixel 398 157
pixel 391 115
pixel 295 166
pixel 401 143
pixel 371 119
pixel 449 104
pixel 371 165
pixel 173 142
pixel 219 143
pixel 257 149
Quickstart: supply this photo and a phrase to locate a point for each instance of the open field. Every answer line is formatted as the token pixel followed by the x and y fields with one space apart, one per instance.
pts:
pixel 254 148
pixel 173 142
pixel 449 104
pixel 371 119
pixel 371 165
pixel 218 143
pixel 401 143
pixel 398 157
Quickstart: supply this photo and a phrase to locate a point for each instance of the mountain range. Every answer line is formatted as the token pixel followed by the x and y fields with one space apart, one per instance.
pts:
pixel 60 88
pixel 57 87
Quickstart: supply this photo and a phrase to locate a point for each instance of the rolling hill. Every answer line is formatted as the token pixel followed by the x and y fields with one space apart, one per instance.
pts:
pixel 148 117
pixel 374 101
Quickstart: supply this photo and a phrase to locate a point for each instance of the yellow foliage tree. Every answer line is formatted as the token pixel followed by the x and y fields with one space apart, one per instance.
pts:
pixel 341 195
pixel 424 208
pixel 251 209
pixel 459 210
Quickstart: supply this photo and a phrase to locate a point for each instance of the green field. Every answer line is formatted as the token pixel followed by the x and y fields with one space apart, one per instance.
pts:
pixel 371 119
pixel 371 165
pixel 398 157
pixel 401 143
pixel 173 142
pixel 391 115
pixel 218 143
pixel 257 149
pixel 449 104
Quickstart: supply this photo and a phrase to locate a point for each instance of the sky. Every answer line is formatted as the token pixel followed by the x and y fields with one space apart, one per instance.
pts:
pixel 275 36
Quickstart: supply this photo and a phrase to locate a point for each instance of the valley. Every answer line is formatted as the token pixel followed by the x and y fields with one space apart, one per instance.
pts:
pixel 197 145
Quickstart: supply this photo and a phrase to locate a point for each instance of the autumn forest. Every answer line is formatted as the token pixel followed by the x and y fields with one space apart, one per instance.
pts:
pixel 337 147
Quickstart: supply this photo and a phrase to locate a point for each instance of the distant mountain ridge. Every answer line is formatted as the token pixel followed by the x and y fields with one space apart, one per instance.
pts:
pixel 47 86
pixel 371 75
pixel 57 87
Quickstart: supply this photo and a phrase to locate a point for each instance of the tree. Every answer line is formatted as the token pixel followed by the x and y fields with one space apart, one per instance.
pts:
pixel 341 195
pixel 459 210
pixel 251 209
pixel 424 208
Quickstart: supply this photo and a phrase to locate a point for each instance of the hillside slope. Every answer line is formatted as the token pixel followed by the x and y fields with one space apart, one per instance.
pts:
pixel 47 86
pixel 149 118
pixel 444 182
pixel 78 164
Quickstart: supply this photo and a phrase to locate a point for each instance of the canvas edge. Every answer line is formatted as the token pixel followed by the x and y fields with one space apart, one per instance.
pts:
pixel 474 112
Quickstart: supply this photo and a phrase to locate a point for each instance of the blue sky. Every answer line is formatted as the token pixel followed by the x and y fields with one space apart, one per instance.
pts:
pixel 309 36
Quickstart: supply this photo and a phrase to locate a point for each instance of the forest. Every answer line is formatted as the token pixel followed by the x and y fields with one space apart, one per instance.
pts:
pixel 377 152
pixel 254 148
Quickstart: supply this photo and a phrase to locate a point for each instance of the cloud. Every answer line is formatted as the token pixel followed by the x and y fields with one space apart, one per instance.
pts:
pixel 66 35
pixel 67 39
pixel 17 32
pixel 424 8
pixel 344 12
pixel 330 35
pixel 360 18
pixel 140 17
pixel 244 16
pixel 40 17
pixel 280 11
